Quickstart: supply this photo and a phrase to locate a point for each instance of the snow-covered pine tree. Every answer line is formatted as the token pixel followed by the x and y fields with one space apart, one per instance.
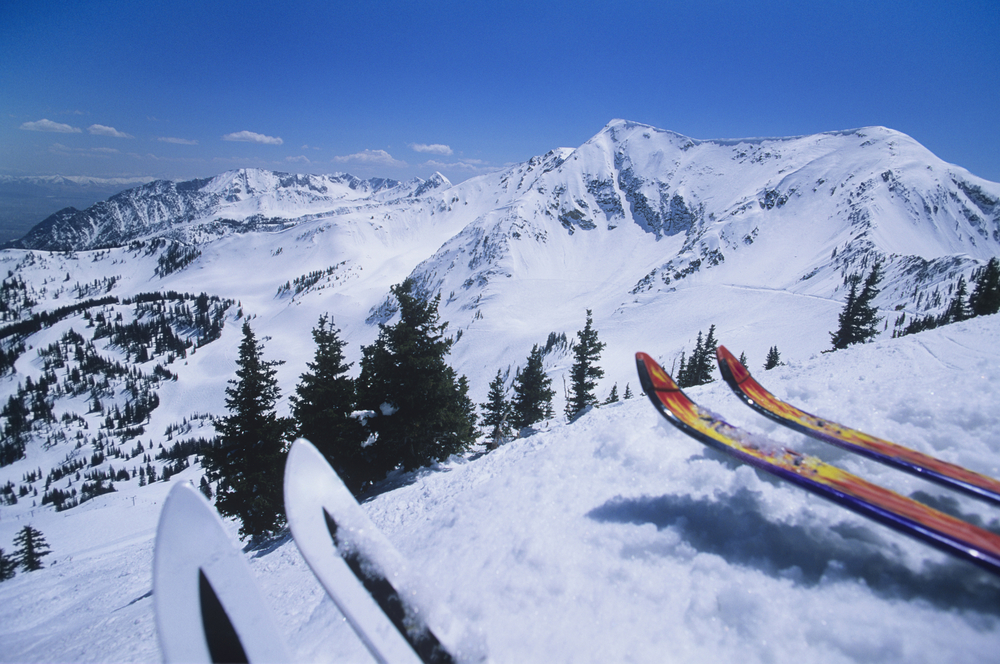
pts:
pixel 958 309
pixel 985 297
pixel 532 401
pixel 773 358
pixel 584 373
pixel 421 409
pixel 496 413
pixel 323 404
pixel 858 321
pixel 248 461
pixel 30 548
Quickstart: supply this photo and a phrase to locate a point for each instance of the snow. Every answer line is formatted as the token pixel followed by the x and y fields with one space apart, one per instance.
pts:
pixel 615 538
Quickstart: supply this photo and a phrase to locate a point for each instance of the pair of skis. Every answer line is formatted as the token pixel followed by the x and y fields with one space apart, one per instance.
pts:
pixel 899 512
pixel 209 608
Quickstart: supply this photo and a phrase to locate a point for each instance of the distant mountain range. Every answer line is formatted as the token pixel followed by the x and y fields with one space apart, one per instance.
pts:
pixel 659 234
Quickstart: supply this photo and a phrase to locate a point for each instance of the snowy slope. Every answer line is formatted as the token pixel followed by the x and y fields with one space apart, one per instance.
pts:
pixel 661 236
pixel 614 538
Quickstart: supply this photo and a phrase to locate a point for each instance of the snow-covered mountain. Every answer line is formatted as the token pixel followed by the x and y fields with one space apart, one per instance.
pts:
pixel 237 196
pixel 658 234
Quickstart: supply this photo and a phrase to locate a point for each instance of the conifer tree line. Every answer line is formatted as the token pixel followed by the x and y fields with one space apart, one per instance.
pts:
pixel 983 300
pixel 407 408
pixel 859 319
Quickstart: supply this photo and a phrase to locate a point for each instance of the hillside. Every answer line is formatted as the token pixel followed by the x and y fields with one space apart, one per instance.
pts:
pixel 120 324
pixel 614 538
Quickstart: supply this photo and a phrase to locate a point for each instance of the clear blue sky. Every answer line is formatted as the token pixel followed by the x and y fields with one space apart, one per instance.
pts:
pixel 189 89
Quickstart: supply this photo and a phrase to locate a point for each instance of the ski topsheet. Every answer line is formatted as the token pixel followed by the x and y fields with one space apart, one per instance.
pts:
pixel 884 451
pixel 892 509
pixel 359 568
pixel 208 606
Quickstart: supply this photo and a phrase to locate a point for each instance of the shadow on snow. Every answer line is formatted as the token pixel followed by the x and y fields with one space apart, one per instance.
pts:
pixel 734 528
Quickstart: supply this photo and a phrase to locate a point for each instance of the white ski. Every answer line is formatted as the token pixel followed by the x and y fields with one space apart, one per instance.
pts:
pixel 359 568
pixel 208 606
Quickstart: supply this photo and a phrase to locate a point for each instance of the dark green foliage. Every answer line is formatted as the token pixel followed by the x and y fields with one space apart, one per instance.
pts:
pixel 698 369
pixel 958 309
pixel 420 408
pixel 496 412
pixel 628 392
pixel 584 373
pixel 773 359
pixel 533 392
pixel 858 321
pixel 8 566
pixel 29 549
pixel 985 298
pixel 743 359
pixel 249 458
pixel 613 395
pixel 323 405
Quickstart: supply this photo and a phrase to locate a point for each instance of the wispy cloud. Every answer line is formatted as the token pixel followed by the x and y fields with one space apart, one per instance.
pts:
pixel 252 137
pixel 379 157
pixel 102 130
pixel 49 125
pixel 63 150
pixel 302 159
pixel 433 148
pixel 177 141
pixel 473 165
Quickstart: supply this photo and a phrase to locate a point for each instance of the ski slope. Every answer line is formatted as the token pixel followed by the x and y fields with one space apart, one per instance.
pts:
pixel 615 538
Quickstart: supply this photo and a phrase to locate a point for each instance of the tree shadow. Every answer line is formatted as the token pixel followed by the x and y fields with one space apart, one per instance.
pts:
pixel 734 528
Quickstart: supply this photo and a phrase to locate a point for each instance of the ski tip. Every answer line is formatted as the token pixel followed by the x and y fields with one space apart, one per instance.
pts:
pixel 733 372
pixel 652 376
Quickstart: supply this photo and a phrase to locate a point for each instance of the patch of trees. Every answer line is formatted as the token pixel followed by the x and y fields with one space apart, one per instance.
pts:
pixel 984 300
pixel 697 369
pixel 859 319
pixel 407 409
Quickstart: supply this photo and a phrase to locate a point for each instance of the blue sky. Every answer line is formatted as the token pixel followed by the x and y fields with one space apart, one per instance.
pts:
pixel 397 89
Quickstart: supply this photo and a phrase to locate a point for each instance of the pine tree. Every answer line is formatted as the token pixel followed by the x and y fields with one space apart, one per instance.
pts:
pixel 773 359
pixel 698 368
pixel 858 321
pixel 985 298
pixel 958 310
pixel 743 359
pixel 249 458
pixel 496 412
pixel 533 392
pixel 421 408
pixel 613 396
pixel 584 373
pixel 628 392
pixel 8 566
pixel 30 548
pixel 324 402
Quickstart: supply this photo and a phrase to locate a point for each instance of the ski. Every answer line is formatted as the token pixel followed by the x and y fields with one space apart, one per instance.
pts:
pixel 884 451
pixel 903 514
pixel 358 567
pixel 208 606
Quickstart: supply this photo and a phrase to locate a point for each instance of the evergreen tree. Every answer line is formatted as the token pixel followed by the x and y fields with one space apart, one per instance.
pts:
pixel 613 396
pixel 584 373
pixel 858 321
pixel 8 566
pixel 698 368
pixel 323 404
pixel 533 392
pixel 628 392
pixel 421 411
pixel 985 298
pixel 743 359
pixel 30 548
pixel 773 359
pixel 497 411
pixel 958 310
pixel 249 458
